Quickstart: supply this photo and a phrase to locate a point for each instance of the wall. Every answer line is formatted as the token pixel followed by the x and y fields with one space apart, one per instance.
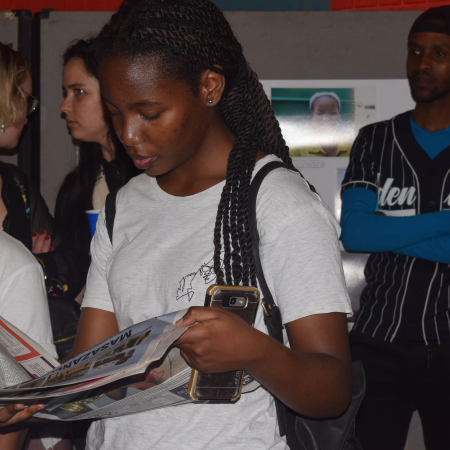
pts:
pixel 279 45
pixel 112 5
pixel 383 5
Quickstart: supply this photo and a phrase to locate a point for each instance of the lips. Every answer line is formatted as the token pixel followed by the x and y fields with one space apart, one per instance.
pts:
pixel 144 163
pixel 71 123
pixel 420 79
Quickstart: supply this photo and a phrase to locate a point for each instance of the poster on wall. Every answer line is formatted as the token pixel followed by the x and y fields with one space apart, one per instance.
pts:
pixel 319 120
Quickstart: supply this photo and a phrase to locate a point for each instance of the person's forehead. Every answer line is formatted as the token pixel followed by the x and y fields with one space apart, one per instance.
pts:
pixel 75 73
pixel 132 70
pixel 429 38
pixel 325 100
pixel 137 81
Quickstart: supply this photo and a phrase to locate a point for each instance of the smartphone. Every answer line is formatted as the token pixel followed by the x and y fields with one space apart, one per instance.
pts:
pixel 225 387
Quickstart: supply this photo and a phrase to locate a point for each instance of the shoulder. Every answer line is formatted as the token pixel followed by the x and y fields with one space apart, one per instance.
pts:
pixel 376 127
pixel 285 197
pixel 134 189
pixel 385 125
pixel 14 255
pixel 13 171
pixel 284 187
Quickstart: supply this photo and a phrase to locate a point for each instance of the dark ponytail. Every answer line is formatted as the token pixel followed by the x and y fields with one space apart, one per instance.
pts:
pixel 75 196
pixel 187 37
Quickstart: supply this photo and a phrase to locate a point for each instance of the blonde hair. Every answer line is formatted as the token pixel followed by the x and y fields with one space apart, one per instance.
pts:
pixel 13 72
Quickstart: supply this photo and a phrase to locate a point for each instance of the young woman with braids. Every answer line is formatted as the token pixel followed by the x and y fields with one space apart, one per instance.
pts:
pixel 191 112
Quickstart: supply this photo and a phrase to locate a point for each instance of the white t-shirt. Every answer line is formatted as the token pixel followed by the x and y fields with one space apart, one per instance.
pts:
pixel 161 261
pixel 23 299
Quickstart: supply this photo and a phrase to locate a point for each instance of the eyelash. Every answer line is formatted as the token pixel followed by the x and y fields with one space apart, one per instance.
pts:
pixel 150 118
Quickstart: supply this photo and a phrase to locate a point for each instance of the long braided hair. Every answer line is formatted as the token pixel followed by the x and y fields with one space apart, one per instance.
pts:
pixel 187 37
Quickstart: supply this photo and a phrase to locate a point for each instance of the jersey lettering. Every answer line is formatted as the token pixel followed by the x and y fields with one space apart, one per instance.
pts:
pixel 447 201
pixel 391 195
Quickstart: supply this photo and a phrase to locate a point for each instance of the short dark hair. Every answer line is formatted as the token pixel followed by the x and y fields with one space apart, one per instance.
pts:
pixel 433 20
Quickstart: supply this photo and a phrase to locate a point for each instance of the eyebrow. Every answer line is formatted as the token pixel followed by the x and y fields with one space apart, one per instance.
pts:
pixel 73 85
pixel 133 105
pixel 437 45
pixel 141 104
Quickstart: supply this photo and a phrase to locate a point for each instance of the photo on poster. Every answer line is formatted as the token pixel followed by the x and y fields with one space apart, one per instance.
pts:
pixel 323 121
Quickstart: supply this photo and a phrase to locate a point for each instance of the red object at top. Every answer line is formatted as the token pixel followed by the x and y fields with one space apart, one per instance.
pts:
pixel 384 5
pixel 61 5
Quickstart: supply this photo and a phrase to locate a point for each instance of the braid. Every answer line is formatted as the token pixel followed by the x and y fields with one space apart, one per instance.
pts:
pixel 188 37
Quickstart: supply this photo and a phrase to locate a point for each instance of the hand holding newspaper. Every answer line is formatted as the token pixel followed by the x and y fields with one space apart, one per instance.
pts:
pixel 134 370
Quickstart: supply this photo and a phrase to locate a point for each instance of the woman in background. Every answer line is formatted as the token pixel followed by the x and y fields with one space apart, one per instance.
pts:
pixel 25 217
pixel 103 164
pixel 23 212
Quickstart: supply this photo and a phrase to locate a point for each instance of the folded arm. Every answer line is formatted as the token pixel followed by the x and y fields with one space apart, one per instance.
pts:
pixel 364 231
pixel 435 249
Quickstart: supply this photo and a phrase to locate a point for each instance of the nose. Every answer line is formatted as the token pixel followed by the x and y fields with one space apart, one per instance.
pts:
pixel 65 105
pixel 424 61
pixel 130 134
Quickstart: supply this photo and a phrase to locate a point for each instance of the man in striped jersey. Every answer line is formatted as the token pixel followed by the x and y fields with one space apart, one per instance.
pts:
pixel 396 205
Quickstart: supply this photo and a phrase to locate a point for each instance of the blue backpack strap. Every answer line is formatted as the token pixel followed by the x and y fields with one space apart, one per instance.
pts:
pixel 110 213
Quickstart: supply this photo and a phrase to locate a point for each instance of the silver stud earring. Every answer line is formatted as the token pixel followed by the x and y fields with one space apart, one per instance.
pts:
pixel 2 128
pixel 210 101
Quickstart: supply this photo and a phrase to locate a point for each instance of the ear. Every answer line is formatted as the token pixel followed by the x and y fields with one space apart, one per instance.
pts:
pixel 212 85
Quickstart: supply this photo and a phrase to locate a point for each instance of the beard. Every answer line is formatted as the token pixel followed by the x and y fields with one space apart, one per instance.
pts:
pixel 430 95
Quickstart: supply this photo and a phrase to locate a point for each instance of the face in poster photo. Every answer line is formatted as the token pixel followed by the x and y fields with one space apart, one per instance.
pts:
pixel 320 122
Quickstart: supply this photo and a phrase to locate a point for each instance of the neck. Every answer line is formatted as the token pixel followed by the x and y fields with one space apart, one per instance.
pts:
pixel 434 116
pixel 206 168
pixel 108 150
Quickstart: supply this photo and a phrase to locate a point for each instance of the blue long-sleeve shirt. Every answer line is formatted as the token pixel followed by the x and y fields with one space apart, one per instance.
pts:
pixel 425 236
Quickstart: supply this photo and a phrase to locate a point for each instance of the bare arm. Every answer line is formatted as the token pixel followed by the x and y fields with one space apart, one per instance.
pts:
pixel 313 377
pixel 95 326
pixel 12 438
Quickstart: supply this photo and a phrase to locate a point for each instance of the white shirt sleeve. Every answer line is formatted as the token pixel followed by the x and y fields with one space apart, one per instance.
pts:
pixel 299 249
pixel 97 291
pixel 23 302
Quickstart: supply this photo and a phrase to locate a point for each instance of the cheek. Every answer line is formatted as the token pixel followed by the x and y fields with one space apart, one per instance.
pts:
pixel 10 138
pixel 92 116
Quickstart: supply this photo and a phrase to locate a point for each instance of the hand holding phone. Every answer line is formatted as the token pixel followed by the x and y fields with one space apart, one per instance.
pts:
pixel 225 387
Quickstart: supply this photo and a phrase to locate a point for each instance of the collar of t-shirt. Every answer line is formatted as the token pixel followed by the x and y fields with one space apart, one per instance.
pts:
pixel 433 142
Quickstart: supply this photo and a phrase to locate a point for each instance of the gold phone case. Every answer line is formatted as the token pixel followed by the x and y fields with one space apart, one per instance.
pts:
pixel 225 387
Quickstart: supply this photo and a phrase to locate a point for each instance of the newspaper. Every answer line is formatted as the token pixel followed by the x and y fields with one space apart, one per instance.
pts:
pixel 21 358
pixel 135 370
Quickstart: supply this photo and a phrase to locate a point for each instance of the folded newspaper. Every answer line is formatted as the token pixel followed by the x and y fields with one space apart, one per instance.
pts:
pixel 135 370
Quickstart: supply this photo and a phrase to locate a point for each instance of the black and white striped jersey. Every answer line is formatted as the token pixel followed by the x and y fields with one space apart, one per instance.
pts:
pixel 407 299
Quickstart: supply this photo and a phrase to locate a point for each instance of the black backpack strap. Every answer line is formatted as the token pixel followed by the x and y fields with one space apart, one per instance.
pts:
pixel 300 431
pixel 272 315
pixel 271 311
pixel 110 212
